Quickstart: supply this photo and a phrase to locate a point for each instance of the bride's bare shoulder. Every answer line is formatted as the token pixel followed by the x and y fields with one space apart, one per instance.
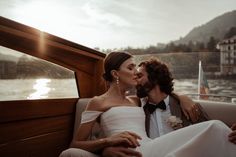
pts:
pixel 96 103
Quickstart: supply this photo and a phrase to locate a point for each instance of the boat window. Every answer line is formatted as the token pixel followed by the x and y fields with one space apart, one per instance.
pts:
pixel 25 77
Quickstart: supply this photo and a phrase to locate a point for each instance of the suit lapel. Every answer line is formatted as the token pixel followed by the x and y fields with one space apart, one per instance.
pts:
pixel 174 107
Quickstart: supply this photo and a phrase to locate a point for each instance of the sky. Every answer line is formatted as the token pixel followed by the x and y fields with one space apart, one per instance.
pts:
pixel 110 24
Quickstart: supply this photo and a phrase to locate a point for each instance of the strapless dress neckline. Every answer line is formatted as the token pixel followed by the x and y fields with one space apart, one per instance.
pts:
pixel 114 107
pixel 123 118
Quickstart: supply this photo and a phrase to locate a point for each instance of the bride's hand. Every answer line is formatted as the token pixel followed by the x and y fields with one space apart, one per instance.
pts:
pixel 232 135
pixel 126 138
pixel 120 151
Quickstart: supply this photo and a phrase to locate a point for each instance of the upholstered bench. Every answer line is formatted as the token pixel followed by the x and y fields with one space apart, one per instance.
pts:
pixel 223 111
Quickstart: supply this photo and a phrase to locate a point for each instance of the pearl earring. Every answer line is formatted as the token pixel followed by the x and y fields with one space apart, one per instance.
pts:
pixel 117 81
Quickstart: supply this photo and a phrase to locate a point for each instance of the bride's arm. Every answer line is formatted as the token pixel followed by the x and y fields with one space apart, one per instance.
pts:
pixel 128 139
pixel 85 129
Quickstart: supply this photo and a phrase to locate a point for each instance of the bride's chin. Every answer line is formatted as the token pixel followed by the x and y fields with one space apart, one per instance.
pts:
pixel 130 86
pixel 135 84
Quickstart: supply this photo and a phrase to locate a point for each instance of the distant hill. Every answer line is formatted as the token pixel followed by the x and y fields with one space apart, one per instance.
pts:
pixel 216 28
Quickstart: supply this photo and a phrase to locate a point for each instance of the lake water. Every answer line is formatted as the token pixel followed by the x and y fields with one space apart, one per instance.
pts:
pixel 66 88
pixel 217 87
pixel 21 89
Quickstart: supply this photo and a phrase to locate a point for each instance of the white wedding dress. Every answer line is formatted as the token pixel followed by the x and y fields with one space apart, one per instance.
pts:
pixel 207 139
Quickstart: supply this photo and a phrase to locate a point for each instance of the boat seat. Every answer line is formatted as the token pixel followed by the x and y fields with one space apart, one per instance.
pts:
pixel 215 110
pixel 220 111
pixel 80 107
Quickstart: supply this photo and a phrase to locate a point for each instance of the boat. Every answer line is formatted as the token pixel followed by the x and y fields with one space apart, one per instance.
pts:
pixel 44 127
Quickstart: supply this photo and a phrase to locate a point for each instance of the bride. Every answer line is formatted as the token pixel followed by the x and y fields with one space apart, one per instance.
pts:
pixel 123 122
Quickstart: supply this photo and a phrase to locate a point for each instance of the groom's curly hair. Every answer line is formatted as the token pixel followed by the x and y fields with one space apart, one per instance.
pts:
pixel 159 74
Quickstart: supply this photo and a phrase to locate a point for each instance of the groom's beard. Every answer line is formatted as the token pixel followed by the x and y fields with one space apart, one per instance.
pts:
pixel 143 90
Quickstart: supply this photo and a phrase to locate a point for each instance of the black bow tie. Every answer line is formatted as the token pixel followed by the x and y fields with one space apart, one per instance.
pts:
pixel 151 107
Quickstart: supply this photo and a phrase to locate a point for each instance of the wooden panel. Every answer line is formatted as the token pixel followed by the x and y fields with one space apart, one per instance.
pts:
pixel 28 128
pixel 36 127
pixel 29 109
pixel 85 84
pixel 47 145
pixel 99 82
pixel 90 85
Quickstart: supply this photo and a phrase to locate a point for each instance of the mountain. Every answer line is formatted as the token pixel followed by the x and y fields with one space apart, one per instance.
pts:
pixel 217 28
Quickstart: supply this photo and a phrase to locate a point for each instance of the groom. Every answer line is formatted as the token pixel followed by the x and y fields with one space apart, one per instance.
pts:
pixel 161 105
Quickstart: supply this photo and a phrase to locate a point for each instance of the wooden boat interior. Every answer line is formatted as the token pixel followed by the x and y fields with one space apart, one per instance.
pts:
pixel 44 127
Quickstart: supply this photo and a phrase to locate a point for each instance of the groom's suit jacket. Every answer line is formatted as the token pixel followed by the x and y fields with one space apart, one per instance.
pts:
pixel 175 110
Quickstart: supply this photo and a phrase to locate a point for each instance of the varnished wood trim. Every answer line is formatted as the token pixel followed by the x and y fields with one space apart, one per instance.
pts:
pixel 29 30
pixel 46 145
pixel 30 109
pixel 13 131
pixel 63 55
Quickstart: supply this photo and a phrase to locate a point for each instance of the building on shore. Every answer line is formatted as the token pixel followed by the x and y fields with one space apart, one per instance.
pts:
pixel 227 49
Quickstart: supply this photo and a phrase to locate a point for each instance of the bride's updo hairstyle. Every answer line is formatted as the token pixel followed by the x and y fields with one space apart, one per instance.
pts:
pixel 112 62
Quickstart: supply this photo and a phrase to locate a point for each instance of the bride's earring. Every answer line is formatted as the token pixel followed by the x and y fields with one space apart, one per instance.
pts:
pixel 117 81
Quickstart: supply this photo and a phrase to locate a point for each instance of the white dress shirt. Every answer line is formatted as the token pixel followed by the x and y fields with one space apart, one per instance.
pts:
pixel 158 121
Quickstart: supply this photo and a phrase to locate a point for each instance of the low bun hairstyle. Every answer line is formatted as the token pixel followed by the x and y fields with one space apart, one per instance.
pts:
pixel 113 61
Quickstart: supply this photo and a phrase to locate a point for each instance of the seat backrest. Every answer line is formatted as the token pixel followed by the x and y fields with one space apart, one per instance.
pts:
pixel 80 107
pixel 223 111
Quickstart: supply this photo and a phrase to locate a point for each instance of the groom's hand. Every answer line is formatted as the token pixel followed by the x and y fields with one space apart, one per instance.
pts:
pixel 120 152
pixel 126 138
pixel 232 135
